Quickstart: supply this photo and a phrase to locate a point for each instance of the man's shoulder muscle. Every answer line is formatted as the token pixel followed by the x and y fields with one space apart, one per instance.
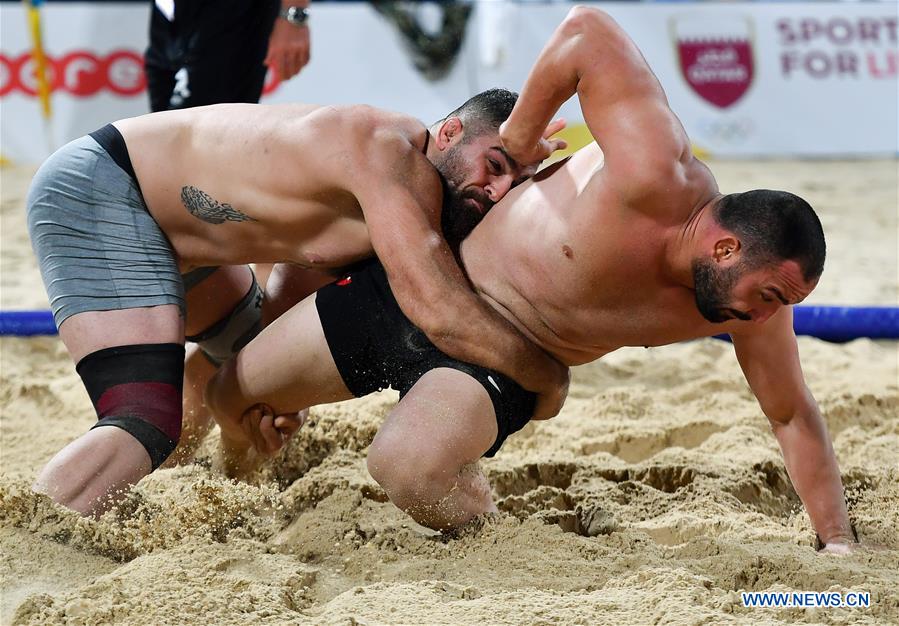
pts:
pixel 672 187
pixel 391 151
pixel 390 137
pixel 355 144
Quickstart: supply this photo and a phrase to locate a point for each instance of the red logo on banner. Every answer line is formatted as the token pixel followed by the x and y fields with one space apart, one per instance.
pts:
pixel 80 73
pixel 83 73
pixel 716 63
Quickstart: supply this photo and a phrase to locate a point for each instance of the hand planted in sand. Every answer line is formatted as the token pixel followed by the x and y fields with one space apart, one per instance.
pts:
pixel 281 428
pixel 839 549
pixel 261 434
pixel 269 432
pixel 845 548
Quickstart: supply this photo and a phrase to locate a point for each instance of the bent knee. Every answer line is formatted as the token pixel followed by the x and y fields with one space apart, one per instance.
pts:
pixel 137 388
pixel 409 475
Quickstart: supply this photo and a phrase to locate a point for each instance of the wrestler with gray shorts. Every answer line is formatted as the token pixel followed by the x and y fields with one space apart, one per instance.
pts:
pixel 116 216
pixel 99 249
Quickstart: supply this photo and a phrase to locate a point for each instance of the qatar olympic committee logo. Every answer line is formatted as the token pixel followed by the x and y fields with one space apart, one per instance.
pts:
pixel 715 55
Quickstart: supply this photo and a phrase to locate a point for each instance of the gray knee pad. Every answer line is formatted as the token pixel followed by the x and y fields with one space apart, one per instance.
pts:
pixel 226 337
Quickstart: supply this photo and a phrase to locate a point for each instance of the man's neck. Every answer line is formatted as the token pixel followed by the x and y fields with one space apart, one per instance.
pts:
pixel 690 241
pixel 429 144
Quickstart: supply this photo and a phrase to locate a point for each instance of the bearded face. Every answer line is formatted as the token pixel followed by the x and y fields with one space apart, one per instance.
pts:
pixel 713 289
pixel 464 205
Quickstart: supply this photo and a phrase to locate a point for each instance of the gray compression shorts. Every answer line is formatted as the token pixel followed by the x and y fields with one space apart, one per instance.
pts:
pixel 100 250
pixel 98 247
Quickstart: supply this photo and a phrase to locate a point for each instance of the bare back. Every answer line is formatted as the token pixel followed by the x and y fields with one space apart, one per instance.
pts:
pixel 236 183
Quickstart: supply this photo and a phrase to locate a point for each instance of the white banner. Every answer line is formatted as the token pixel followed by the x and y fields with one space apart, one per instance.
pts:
pixel 753 79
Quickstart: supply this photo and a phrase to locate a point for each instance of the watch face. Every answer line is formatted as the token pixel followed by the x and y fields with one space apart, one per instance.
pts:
pixel 295 15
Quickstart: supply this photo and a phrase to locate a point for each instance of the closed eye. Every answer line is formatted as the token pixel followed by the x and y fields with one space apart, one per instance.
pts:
pixel 779 296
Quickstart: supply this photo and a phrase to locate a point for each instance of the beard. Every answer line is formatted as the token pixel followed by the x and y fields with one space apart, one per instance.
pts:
pixel 712 288
pixel 458 218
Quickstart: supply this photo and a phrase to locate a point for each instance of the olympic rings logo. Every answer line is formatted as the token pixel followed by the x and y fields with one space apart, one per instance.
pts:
pixel 80 73
pixel 732 131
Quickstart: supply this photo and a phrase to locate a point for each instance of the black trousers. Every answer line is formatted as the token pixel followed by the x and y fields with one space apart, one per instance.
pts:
pixel 212 52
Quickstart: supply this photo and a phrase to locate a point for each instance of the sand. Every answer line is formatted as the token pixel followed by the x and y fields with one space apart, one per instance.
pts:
pixel 656 496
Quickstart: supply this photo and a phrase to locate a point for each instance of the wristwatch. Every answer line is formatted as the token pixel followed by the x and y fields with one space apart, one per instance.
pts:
pixel 298 16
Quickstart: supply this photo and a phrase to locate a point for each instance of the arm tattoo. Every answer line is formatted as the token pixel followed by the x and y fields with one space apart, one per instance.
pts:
pixel 203 206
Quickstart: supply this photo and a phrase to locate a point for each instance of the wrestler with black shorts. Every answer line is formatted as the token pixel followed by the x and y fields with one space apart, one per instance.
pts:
pixel 375 346
pixel 351 339
pixel 629 242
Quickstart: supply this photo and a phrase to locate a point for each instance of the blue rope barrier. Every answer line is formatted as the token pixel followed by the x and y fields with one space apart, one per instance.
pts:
pixel 830 323
pixel 845 323
pixel 839 324
pixel 27 323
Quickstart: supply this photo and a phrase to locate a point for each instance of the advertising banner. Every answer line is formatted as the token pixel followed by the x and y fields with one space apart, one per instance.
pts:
pixel 760 79
pixel 746 79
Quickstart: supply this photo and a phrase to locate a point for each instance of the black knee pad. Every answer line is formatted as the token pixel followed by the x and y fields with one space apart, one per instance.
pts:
pixel 138 389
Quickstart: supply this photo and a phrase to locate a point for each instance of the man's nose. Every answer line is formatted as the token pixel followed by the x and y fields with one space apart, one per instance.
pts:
pixel 499 187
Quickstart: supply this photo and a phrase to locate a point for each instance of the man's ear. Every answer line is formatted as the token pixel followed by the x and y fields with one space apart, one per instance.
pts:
pixel 727 250
pixel 449 133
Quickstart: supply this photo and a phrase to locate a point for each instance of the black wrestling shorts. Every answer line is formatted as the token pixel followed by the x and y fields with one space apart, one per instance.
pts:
pixel 375 346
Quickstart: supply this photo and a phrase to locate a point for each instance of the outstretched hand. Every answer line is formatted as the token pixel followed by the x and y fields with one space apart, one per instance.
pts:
pixel 529 153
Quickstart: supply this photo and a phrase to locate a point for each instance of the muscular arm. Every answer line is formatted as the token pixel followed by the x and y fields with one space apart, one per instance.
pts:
pixel 770 360
pixel 401 199
pixel 623 104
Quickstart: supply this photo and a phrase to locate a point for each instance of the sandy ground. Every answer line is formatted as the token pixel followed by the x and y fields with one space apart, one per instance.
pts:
pixel 656 496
